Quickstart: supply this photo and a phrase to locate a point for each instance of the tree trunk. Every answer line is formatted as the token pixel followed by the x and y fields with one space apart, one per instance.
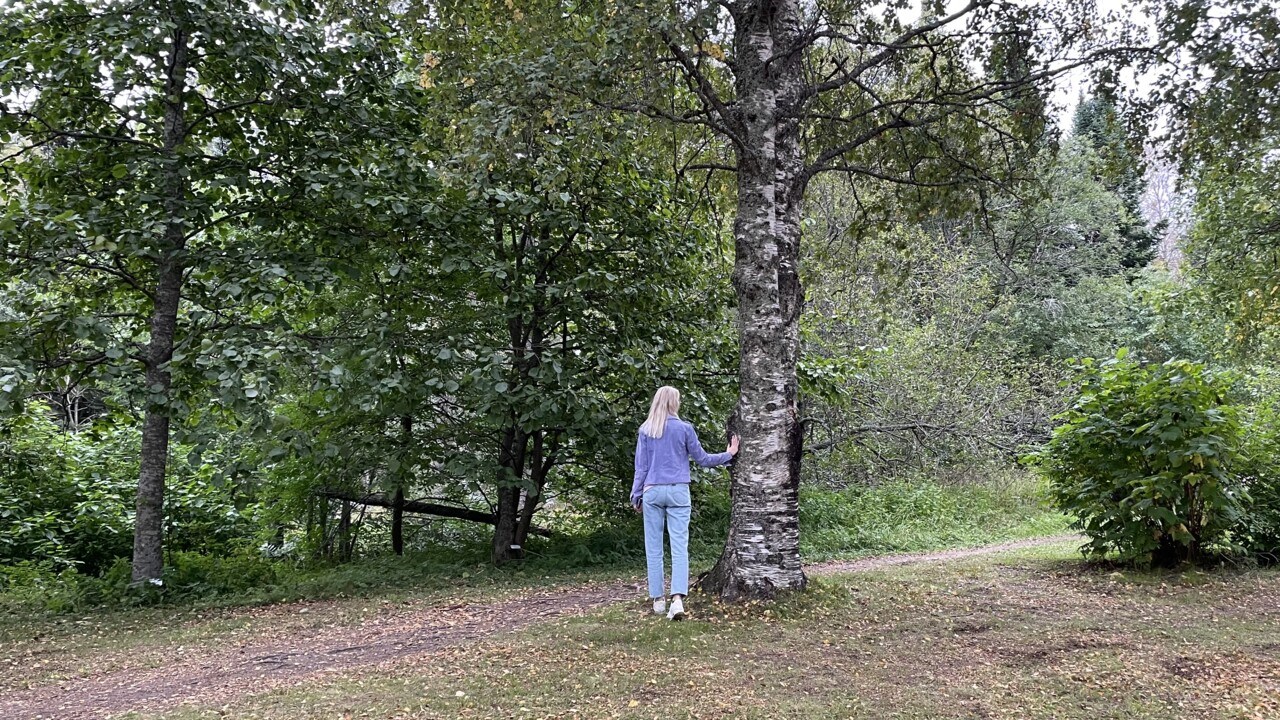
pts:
pixel 319 516
pixel 397 502
pixel 540 464
pixel 148 529
pixel 1170 553
pixel 397 521
pixel 506 515
pixel 346 543
pixel 505 547
pixel 762 553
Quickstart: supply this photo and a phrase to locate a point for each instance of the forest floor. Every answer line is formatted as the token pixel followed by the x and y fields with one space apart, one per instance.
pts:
pixel 1021 630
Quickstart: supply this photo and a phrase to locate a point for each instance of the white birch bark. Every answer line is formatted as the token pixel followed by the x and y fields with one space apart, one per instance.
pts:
pixel 762 553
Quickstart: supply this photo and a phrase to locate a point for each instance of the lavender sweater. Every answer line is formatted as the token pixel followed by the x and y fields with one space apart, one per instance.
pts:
pixel 665 460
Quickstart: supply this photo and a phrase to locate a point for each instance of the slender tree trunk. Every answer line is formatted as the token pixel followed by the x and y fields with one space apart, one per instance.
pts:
pixel 541 461
pixel 511 469
pixel 505 547
pixel 515 443
pixel 762 553
pixel 397 502
pixel 148 531
pixel 397 522
pixel 319 516
pixel 512 445
pixel 528 506
pixel 346 542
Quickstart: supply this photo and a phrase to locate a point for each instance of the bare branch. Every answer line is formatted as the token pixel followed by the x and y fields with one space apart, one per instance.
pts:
pixel 702 87
pixel 900 43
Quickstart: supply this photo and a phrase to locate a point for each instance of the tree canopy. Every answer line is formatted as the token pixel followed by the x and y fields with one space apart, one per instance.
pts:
pixel 313 280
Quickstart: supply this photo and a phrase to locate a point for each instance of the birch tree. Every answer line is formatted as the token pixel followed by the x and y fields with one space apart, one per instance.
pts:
pixel 932 105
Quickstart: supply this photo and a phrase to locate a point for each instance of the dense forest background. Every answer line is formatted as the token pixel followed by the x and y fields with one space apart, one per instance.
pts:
pixel 427 269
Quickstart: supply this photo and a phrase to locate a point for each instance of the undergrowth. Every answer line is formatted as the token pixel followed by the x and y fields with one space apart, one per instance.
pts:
pixel 899 516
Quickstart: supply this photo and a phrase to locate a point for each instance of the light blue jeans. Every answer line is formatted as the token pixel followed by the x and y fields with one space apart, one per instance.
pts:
pixel 669 503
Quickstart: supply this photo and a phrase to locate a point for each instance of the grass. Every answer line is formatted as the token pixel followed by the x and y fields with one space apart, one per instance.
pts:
pixel 908 516
pixel 899 516
pixel 1027 635
pixel 49 646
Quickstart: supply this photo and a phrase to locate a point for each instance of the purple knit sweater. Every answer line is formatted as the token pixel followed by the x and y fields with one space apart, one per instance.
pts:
pixel 665 460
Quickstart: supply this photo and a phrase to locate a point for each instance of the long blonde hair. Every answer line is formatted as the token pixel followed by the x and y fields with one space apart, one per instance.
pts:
pixel 666 404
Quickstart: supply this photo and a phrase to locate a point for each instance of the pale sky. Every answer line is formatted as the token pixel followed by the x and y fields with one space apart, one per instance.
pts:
pixel 1070 87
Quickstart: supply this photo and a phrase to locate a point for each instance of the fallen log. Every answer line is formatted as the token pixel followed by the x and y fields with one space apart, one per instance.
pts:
pixel 424 508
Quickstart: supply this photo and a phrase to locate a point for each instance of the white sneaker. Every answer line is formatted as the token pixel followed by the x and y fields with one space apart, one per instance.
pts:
pixel 659 606
pixel 677 609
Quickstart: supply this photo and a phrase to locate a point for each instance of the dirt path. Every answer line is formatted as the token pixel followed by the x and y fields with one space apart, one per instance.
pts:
pixel 883 561
pixel 215 675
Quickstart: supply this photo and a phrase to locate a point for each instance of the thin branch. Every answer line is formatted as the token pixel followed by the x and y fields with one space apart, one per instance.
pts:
pixel 901 42
pixel 703 89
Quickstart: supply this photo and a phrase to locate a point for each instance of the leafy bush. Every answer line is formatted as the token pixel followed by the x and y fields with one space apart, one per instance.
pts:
pixel 193 575
pixel 30 588
pixel 67 498
pixel 1259 467
pixel 36 465
pixel 1143 459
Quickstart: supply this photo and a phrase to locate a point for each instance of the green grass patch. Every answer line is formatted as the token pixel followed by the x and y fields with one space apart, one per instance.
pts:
pixel 892 517
pixel 1023 635
pixel 905 516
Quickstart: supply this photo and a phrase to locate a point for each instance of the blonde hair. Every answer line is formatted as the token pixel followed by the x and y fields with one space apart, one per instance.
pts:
pixel 666 404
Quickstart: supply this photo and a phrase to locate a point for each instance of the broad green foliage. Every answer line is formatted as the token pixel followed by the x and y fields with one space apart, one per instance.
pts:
pixel 265 150
pixel 66 498
pixel 954 330
pixel 1259 464
pixel 1233 251
pixel 389 267
pixel 1067 227
pixel 1214 70
pixel 1061 255
pixel 1093 317
pixel 178 172
pixel 444 252
pixel 915 379
pixel 501 334
pixel 1143 459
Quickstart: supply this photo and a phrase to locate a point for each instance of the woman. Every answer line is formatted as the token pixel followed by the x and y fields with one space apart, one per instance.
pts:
pixel 661 488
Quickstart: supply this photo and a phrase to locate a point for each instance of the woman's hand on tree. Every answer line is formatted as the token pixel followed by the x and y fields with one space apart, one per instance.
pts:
pixel 733 445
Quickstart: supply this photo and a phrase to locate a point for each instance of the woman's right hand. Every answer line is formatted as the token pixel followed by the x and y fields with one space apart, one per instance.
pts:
pixel 733 445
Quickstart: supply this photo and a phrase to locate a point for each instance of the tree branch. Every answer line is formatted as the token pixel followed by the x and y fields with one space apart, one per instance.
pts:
pixel 423 508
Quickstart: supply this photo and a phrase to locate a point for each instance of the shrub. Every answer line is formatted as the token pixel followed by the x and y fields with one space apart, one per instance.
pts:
pixel 29 587
pixel 188 577
pixel 1260 525
pixel 36 467
pixel 192 575
pixel 67 498
pixel 1142 459
pixel 1259 467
